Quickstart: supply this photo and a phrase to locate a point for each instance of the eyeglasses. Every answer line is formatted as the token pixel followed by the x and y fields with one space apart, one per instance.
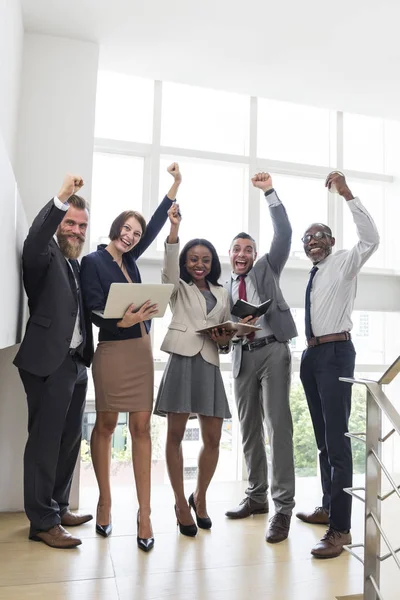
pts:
pixel 318 235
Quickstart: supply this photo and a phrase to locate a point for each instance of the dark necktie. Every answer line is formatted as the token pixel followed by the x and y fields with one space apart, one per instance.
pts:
pixel 243 296
pixel 309 331
pixel 77 293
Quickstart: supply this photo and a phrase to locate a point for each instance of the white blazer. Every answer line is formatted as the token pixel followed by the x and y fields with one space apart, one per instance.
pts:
pixel 189 312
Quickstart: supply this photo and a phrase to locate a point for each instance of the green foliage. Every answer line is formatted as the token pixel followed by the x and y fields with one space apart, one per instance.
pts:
pixel 305 449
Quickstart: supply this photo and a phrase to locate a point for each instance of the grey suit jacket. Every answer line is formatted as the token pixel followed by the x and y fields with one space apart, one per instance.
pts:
pixel 265 276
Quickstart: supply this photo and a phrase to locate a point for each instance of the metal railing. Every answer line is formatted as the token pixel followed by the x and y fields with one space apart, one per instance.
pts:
pixel 377 405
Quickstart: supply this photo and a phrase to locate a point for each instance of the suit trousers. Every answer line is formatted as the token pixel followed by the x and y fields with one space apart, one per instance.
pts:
pixel 262 396
pixel 55 411
pixel 329 401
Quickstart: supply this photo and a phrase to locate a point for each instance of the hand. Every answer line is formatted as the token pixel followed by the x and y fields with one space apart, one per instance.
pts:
pixel 134 316
pixel 338 180
pixel 262 181
pixel 250 320
pixel 71 185
pixel 175 172
pixel 174 215
pixel 220 336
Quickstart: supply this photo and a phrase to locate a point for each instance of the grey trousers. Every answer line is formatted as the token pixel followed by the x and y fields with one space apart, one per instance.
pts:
pixel 262 396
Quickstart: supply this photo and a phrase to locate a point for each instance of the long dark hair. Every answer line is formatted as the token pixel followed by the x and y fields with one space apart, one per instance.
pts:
pixel 215 272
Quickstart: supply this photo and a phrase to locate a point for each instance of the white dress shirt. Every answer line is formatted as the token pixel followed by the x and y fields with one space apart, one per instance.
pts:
pixel 335 283
pixel 251 292
pixel 77 337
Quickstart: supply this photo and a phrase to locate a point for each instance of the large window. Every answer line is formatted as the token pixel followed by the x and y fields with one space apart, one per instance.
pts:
pixel 294 133
pixel 117 185
pixel 204 119
pixel 306 202
pixel 209 190
pixel 220 140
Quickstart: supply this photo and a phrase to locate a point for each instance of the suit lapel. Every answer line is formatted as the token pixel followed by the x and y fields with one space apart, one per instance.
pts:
pixel 200 298
pixel 217 293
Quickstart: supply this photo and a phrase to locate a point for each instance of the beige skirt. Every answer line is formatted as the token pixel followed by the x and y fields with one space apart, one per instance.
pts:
pixel 123 375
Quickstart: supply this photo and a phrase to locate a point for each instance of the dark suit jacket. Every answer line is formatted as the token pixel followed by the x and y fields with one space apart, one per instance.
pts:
pixel 99 271
pixel 265 276
pixel 52 299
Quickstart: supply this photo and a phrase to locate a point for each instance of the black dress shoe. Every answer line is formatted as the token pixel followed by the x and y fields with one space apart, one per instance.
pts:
pixel 104 530
pixel 278 528
pixel 246 508
pixel 145 544
pixel 202 522
pixel 189 530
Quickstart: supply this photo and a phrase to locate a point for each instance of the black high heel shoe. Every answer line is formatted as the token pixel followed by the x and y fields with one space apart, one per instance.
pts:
pixel 189 530
pixel 104 530
pixel 145 544
pixel 202 522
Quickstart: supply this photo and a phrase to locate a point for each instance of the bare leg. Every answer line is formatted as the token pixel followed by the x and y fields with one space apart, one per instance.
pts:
pixel 176 430
pixel 139 426
pixel 208 459
pixel 100 446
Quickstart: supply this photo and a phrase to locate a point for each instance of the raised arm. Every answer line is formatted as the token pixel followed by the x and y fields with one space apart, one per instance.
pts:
pixel 36 252
pixel 282 238
pixel 368 236
pixel 159 217
pixel 170 272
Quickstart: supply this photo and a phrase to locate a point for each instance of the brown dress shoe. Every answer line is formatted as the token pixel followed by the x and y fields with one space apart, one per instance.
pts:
pixel 278 528
pixel 246 508
pixel 71 519
pixel 331 544
pixel 57 537
pixel 319 516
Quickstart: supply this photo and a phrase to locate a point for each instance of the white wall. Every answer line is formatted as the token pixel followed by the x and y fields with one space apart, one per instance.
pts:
pixel 55 136
pixel 56 121
pixel 11 43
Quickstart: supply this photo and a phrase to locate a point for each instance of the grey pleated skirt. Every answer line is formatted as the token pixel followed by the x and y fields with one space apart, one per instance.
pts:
pixel 192 385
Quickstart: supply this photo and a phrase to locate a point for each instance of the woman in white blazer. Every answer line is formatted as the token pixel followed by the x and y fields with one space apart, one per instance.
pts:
pixel 192 382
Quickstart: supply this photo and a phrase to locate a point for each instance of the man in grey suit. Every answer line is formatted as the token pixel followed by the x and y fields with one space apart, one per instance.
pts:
pixel 262 370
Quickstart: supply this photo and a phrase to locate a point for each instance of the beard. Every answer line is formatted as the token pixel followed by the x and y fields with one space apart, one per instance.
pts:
pixel 69 250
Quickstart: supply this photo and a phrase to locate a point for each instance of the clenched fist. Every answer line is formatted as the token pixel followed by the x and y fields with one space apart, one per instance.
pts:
pixel 174 215
pixel 175 172
pixel 71 185
pixel 336 182
pixel 262 181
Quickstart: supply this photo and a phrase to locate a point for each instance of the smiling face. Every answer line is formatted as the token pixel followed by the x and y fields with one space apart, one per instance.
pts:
pixel 130 235
pixel 242 255
pixel 198 263
pixel 318 242
pixel 71 233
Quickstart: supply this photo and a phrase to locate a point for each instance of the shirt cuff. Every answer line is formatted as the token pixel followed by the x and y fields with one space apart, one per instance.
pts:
pixel 272 198
pixel 60 204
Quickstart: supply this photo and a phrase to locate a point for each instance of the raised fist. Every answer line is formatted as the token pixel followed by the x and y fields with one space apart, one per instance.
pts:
pixel 174 214
pixel 71 185
pixel 175 172
pixel 262 181
pixel 336 182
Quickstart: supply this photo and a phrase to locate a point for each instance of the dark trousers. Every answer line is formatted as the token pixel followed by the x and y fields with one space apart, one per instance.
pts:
pixel 55 410
pixel 329 401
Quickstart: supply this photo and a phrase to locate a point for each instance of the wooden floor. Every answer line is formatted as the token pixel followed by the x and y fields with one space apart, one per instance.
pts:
pixel 231 562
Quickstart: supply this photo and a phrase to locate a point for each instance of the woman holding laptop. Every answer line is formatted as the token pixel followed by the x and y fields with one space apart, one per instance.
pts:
pixel 192 382
pixel 123 371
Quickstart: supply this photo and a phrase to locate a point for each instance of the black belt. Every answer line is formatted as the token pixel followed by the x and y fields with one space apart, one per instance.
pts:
pixel 259 343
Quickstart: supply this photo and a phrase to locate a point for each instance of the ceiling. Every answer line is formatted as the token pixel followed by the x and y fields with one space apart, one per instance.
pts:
pixel 342 54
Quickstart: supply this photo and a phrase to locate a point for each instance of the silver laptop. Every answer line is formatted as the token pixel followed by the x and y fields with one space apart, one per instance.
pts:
pixel 122 295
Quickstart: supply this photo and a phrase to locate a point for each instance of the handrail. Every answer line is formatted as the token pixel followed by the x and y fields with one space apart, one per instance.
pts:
pixel 380 398
pixel 378 404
